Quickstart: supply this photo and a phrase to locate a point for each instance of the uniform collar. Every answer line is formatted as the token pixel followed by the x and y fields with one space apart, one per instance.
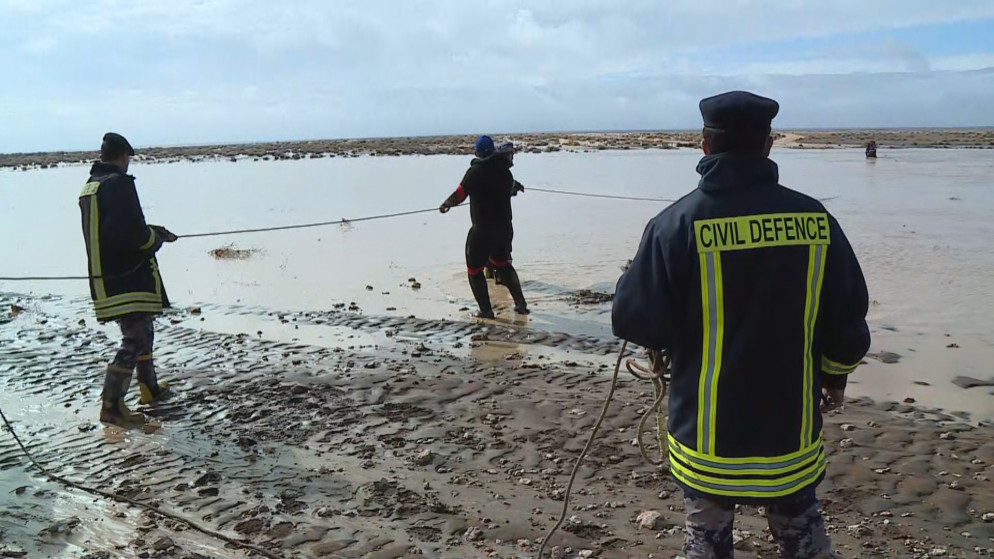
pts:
pixel 728 171
pixel 102 168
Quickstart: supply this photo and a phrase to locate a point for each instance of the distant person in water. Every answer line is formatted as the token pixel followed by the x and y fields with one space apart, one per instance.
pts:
pixel 871 149
pixel 489 185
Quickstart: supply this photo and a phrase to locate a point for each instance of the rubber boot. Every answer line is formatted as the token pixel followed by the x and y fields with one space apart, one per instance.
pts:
pixel 117 413
pixel 509 279
pixel 151 389
pixel 478 283
pixel 112 409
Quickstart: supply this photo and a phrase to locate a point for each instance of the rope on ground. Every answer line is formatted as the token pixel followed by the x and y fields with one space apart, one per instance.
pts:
pixel 659 364
pixel 121 498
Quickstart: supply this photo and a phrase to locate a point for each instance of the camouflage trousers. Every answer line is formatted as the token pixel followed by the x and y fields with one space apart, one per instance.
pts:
pixel 137 339
pixel 797 527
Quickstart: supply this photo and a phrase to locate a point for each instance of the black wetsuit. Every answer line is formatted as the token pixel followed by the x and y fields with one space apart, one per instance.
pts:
pixel 489 185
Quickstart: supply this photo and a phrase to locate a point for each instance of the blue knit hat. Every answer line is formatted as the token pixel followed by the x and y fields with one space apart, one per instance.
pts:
pixel 484 145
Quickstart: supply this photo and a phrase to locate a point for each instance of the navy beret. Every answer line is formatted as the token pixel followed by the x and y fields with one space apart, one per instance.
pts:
pixel 738 110
pixel 118 141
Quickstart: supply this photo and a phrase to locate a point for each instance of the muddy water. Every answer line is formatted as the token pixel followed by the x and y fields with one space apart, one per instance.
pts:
pixel 919 220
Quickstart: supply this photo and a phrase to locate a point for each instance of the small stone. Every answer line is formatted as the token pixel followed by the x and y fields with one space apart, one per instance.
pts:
pixel 859 531
pixel 473 534
pixel 163 544
pixel 585 553
pixel 909 400
pixel 558 553
pixel 938 552
pixel 848 427
pixel 846 443
pixel 524 481
pixel 956 486
pixel 947 436
pixel 988 517
pixel 423 458
pixel 651 520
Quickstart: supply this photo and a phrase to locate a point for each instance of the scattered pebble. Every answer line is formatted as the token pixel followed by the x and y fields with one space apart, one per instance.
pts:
pixel 651 520
pixel 846 443
pixel 847 427
pixel 473 534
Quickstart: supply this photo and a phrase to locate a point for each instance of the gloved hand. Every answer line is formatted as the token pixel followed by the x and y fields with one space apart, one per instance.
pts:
pixel 518 187
pixel 166 235
pixel 444 208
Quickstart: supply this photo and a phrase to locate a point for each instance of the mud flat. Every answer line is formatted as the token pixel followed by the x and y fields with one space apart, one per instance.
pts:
pixel 447 440
pixel 979 138
pixel 387 147
pixel 528 143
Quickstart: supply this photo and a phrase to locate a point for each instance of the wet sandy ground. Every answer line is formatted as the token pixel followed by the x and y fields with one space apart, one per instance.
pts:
pixel 409 438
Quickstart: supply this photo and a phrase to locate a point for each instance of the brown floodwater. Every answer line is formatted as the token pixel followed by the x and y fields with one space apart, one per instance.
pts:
pixel 920 221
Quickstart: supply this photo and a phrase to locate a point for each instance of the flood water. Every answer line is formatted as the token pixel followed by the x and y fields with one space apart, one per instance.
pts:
pixel 920 221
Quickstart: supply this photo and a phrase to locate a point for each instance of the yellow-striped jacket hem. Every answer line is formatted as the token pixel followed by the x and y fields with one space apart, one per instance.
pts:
pixel 751 477
pixel 830 367
pixel 118 310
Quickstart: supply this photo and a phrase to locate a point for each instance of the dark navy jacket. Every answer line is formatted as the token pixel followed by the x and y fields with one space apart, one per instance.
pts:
pixel 757 294
pixel 120 246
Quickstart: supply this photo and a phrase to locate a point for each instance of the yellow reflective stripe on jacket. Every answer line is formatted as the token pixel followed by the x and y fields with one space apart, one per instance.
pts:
pixel 830 367
pixel 114 312
pixel 815 275
pixel 96 269
pixel 749 488
pixel 712 297
pixel 89 189
pixel 151 240
pixel 766 463
pixel 123 299
pixel 762 231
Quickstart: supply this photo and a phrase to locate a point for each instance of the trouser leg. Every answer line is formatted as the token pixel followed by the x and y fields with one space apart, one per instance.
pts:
pixel 799 529
pixel 709 528
pixel 134 343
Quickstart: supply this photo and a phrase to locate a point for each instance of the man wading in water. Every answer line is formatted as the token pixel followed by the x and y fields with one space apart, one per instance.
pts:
pixel 125 283
pixel 489 186
pixel 756 293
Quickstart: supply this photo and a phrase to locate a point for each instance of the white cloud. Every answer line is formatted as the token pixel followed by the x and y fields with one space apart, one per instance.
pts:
pixel 201 71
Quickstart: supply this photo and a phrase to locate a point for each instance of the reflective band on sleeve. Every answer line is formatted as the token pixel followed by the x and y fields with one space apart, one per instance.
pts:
pixel 761 231
pixel 151 240
pixel 830 367
pixel 713 320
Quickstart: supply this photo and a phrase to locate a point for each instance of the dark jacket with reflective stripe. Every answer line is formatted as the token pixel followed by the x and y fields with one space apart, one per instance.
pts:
pixel 120 246
pixel 758 295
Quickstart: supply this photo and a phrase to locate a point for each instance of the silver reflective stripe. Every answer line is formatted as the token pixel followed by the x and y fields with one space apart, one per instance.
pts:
pixel 740 486
pixel 779 465
pixel 813 295
pixel 710 281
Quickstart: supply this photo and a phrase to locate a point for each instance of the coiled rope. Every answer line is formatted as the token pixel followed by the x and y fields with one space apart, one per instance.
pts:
pixel 658 373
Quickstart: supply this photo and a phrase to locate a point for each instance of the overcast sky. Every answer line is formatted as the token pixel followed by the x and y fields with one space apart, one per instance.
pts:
pixel 203 71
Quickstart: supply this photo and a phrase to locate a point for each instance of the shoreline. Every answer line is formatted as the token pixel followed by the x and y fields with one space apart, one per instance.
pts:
pixel 536 143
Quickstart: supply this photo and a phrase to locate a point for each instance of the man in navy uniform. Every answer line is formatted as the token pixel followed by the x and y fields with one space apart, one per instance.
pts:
pixel 757 295
pixel 124 276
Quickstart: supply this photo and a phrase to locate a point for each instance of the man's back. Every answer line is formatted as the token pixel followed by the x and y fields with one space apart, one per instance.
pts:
pixel 747 283
pixel 489 184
